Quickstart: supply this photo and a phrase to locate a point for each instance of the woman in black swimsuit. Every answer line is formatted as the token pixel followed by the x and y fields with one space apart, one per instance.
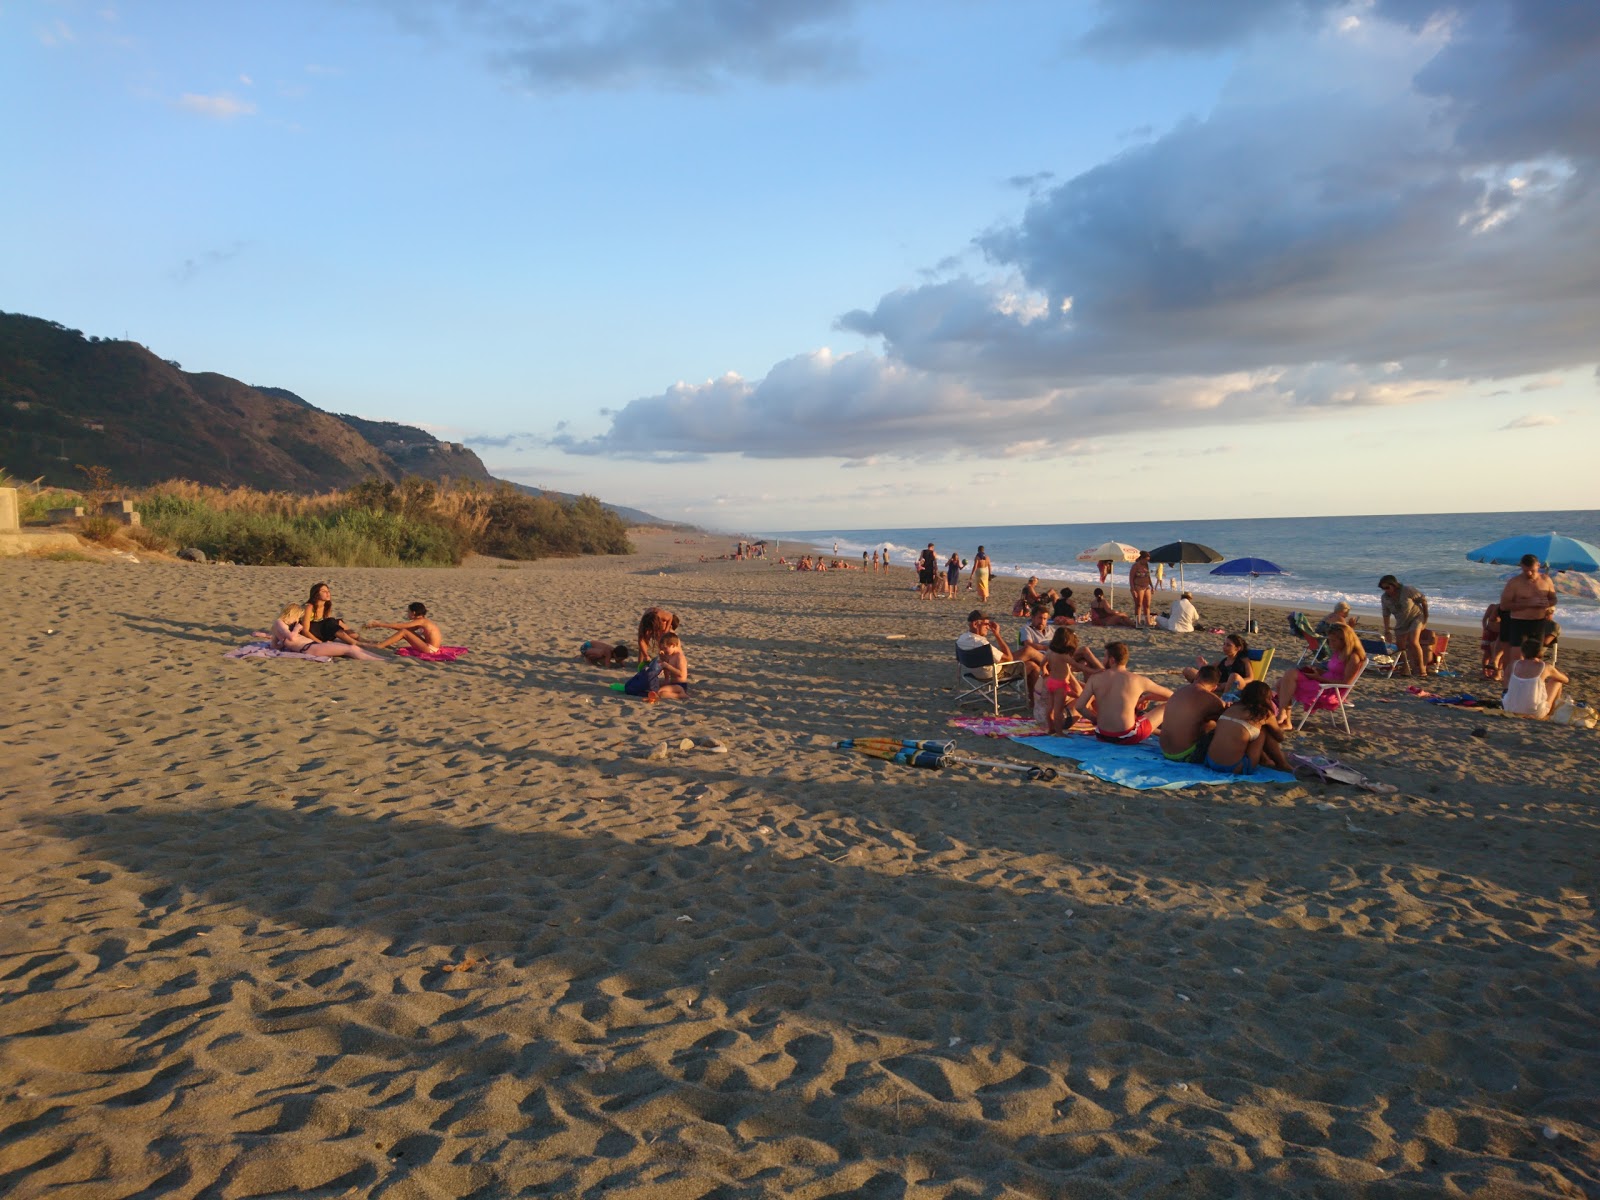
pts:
pixel 320 622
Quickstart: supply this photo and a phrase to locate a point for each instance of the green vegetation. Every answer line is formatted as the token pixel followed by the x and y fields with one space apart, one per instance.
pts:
pixel 374 524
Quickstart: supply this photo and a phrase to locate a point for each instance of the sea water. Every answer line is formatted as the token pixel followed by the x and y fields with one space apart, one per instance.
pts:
pixel 1326 558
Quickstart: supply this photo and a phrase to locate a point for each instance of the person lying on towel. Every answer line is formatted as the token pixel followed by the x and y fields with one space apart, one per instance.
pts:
pixel 1126 707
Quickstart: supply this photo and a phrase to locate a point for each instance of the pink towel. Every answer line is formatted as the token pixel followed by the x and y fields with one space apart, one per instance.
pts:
pixel 442 654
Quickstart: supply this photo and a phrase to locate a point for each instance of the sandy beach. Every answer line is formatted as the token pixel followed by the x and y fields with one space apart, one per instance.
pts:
pixel 444 930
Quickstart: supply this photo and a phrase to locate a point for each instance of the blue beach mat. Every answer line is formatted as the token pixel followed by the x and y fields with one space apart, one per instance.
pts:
pixel 1140 767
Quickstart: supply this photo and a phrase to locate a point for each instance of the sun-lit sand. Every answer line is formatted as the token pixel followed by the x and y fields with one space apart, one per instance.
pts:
pixel 408 929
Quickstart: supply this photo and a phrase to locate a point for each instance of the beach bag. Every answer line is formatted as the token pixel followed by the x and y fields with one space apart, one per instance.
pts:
pixel 646 681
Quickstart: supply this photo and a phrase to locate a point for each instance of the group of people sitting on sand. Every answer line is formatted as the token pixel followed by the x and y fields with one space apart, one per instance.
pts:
pixel 312 628
pixel 662 666
pixel 1222 717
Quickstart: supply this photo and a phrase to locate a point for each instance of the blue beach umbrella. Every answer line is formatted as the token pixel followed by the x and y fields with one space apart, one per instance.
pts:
pixel 1251 567
pixel 1557 553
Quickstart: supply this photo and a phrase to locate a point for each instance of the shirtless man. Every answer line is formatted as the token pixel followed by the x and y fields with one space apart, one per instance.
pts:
pixel 1527 604
pixel 1190 716
pixel 1139 585
pixel 1116 694
pixel 420 633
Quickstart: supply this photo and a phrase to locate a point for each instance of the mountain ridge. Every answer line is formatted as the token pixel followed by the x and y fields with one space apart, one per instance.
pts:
pixel 67 400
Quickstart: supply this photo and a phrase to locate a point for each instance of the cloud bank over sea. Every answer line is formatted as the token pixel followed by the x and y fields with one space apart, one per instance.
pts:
pixel 1389 200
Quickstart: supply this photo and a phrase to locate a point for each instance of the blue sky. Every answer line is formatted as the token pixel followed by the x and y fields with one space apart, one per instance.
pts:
pixel 797 264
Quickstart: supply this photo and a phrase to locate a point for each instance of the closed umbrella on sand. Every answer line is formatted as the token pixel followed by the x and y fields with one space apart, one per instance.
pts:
pixel 1180 552
pixel 1111 552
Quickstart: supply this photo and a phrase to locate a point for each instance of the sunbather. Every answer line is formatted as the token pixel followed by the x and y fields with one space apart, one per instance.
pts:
pixel 417 631
pixel 1101 612
pixel 320 621
pixel 1126 706
pixel 674 683
pixel 604 653
pixel 289 634
pixel 1303 685
pixel 1189 717
pixel 1248 731
pixel 1234 666
pixel 1535 685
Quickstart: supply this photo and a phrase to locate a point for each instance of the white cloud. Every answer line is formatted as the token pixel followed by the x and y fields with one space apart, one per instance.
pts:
pixel 222 107
pixel 1361 222
pixel 1532 421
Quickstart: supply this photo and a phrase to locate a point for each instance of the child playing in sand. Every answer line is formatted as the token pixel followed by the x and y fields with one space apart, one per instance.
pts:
pixel 604 654
pixel 674 669
pixel 419 632
pixel 1058 678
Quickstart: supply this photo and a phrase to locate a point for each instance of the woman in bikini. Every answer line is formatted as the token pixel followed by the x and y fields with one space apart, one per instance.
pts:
pixel 289 635
pixel 1101 612
pixel 1248 731
pixel 1490 642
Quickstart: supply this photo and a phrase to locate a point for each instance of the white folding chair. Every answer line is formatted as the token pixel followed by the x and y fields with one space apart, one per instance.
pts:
pixel 1340 692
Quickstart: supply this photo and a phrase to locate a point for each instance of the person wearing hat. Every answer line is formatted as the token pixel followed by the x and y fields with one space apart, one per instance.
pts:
pixel 1406 610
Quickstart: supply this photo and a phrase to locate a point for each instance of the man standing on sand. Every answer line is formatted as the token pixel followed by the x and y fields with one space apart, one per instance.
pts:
pixel 927 572
pixel 1526 607
pixel 1406 609
pixel 1116 694
pixel 1139 585
pixel 886 560
pixel 1189 717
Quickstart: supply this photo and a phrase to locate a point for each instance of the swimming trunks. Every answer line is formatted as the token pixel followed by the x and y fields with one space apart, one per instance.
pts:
pixel 1194 754
pixel 1128 736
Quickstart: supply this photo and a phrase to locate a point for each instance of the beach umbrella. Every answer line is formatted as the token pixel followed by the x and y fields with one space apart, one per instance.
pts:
pixel 1576 583
pixel 1115 552
pixel 1557 553
pixel 1181 552
pixel 1254 568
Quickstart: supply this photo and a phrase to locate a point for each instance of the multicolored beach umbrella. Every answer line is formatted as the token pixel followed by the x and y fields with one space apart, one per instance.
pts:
pixel 1556 552
pixel 1253 568
pixel 1111 552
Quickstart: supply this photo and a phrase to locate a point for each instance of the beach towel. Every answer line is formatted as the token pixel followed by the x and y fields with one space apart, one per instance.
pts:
pixel 1020 727
pixel 1331 771
pixel 442 654
pixel 1141 767
pixel 265 650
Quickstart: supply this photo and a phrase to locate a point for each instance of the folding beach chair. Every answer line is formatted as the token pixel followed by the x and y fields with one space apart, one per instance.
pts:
pixel 1316 645
pixel 1340 692
pixel 981 678
pixel 1383 658
pixel 1260 662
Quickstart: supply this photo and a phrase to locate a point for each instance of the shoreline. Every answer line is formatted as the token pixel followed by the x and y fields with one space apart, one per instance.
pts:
pixel 489 926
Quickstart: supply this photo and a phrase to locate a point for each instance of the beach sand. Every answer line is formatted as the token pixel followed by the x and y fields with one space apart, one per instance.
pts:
pixel 232 894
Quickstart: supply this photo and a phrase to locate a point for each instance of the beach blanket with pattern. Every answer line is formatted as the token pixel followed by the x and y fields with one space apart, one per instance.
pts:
pixel 442 654
pixel 265 650
pixel 1140 767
